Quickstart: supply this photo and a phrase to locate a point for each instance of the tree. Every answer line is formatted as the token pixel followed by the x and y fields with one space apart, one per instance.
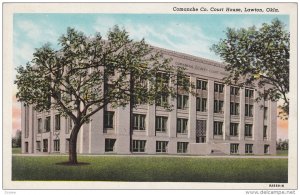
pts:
pixel 258 56
pixel 88 73
pixel 17 139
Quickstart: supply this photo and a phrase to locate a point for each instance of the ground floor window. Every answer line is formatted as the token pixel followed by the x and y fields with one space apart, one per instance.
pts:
pixel 249 148
pixel 234 148
pixel 182 147
pixel 56 145
pixel 161 146
pixel 45 145
pixel 266 149
pixel 26 147
pixel 110 145
pixel 138 145
pixel 38 146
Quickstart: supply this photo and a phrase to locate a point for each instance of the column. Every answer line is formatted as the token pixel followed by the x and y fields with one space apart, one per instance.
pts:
pixel 258 119
pixel 226 112
pixel 122 144
pixel 210 111
pixel 97 140
pixel 242 115
pixel 192 116
pixel 272 117
pixel 151 141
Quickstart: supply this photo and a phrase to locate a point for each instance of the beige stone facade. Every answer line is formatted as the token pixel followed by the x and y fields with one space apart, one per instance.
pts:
pixel 220 120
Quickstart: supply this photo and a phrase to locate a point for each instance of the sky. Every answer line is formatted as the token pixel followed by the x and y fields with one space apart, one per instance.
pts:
pixel 188 33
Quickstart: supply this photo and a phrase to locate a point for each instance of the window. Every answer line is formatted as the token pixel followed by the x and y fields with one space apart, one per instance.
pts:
pixel 56 145
pixel 201 84
pixel 38 146
pixel 234 90
pixel 139 122
pixel 47 123
pixel 249 93
pixel 265 112
pixel 234 148
pixel 266 149
pixel 108 119
pixel 161 123
pixel 182 101
pixel 162 100
pixel 234 108
pixel 218 128
pixel 248 130
pixel 182 147
pixel 249 110
pixel 57 122
pixel 45 145
pixel 69 125
pixel 249 148
pixel 162 78
pixel 234 129
pixel 138 145
pixel 201 104
pixel 265 133
pixel 218 106
pixel 181 81
pixel 26 147
pixel 161 146
pixel 182 125
pixel 109 145
pixel 219 88
pixel 40 125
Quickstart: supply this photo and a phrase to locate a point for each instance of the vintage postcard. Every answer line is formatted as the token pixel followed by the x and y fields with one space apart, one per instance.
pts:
pixel 150 96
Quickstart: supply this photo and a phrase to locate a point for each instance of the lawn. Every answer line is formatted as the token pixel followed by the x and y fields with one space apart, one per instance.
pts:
pixel 152 169
pixel 16 150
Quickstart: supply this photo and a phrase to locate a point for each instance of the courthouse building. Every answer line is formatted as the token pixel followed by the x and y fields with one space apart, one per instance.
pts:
pixel 221 119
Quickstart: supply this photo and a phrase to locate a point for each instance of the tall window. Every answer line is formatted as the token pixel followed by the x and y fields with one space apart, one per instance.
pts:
pixel 249 148
pixel 139 122
pixel 201 84
pixel 234 108
pixel 234 148
pixel 161 123
pixel 47 123
pixel 162 78
pixel 181 81
pixel 162 100
pixel 234 90
pixel 138 145
pixel 69 125
pixel 266 149
pixel 249 93
pixel 218 128
pixel 182 125
pixel 45 145
pixel 234 129
pixel 56 145
pixel 161 146
pixel 201 104
pixel 38 146
pixel 265 133
pixel 109 119
pixel 219 88
pixel 265 112
pixel 182 147
pixel 182 101
pixel 218 106
pixel 40 125
pixel 248 130
pixel 249 110
pixel 57 122
pixel 109 145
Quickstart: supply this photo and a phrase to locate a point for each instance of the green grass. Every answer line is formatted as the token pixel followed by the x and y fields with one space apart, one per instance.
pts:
pixel 152 169
pixel 282 152
pixel 16 150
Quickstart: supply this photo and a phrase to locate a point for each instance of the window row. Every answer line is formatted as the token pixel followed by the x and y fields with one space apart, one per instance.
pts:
pixel 234 149
pixel 140 146
pixel 43 146
pixel 47 124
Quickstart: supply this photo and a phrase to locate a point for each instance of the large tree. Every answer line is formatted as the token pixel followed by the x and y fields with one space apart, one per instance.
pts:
pixel 258 57
pixel 87 73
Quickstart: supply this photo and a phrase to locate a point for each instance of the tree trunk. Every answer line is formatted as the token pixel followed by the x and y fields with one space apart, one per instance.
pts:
pixel 73 145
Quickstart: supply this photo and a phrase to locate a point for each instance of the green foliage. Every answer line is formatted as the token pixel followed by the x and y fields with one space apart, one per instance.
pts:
pixel 87 73
pixel 151 169
pixel 258 57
